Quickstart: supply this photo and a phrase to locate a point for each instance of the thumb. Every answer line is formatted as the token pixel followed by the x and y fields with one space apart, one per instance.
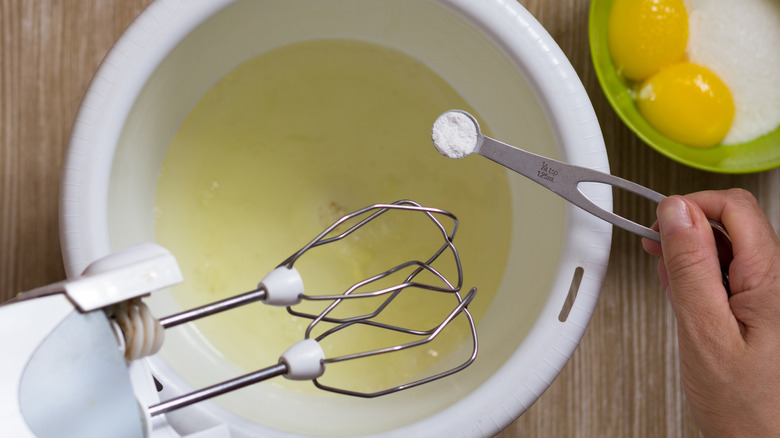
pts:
pixel 693 278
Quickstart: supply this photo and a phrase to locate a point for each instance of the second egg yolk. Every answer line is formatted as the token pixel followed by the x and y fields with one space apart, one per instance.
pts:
pixel 645 35
pixel 687 103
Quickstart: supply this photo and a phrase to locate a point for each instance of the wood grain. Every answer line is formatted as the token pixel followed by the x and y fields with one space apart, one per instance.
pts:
pixel 623 381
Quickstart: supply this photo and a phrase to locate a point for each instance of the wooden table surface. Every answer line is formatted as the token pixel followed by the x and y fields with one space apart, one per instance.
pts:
pixel 623 381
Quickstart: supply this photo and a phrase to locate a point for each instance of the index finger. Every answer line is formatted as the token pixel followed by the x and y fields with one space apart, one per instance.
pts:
pixel 755 244
pixel 740 214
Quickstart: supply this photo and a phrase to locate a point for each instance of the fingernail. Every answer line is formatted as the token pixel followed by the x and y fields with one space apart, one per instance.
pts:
pixel 673 216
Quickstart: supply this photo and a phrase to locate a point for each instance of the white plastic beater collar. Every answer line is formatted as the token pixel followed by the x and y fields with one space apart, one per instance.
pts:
pixel 283 287
pixel 304 360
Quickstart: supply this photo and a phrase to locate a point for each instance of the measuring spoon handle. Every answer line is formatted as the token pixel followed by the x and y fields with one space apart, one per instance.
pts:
pixel 564 179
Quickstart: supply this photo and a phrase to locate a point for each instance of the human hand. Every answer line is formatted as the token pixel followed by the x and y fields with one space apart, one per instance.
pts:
pixel 729 347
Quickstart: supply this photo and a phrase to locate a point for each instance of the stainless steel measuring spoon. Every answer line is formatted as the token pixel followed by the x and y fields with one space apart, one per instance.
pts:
pixel 560 178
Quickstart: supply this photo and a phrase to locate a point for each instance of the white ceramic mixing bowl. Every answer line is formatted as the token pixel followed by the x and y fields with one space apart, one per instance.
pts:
pixel 495 55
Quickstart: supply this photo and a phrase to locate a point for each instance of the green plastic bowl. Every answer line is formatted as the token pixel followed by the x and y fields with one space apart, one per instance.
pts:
pixel 760 154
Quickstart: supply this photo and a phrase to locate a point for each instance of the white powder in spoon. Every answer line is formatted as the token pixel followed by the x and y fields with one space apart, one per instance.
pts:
pixel 454 134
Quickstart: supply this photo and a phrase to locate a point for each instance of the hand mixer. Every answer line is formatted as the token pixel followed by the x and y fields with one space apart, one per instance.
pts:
pixel 64 374
pixel 456 134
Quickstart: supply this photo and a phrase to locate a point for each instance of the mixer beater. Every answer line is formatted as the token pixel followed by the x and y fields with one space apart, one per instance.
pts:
pixel 306 360
pixel 120 280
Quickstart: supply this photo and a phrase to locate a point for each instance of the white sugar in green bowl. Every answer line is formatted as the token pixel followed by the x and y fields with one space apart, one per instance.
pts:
pixel 740 42
pixel 718 34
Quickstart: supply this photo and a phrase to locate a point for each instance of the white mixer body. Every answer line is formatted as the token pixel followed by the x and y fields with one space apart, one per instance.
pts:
pixel 64 374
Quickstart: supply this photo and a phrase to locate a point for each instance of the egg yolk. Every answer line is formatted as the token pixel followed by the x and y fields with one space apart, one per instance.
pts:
pixel 645 35
pixel 687 103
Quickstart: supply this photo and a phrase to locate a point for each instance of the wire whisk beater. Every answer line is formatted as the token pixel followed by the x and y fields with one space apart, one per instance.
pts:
pixel 384 298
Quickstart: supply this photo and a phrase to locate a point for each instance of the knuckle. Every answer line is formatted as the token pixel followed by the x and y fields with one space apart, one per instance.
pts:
pixel 742 196
pixel 683 263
